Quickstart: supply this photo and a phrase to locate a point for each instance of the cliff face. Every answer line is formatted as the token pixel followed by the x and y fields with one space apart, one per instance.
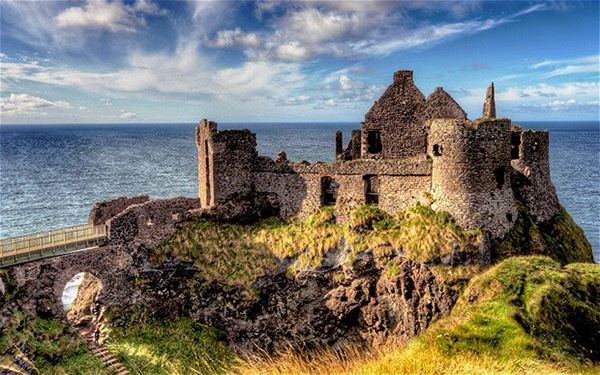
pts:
pixel 313 308
pixel 273 283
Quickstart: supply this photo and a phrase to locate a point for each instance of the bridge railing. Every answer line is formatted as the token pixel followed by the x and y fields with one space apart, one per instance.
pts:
pixel 44 244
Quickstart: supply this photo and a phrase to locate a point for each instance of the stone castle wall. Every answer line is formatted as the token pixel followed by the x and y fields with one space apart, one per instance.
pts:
pixel 150 223
pixel 104 211
pixel 532 173
pixel 298 186
pixel 409 150
pixel 471 173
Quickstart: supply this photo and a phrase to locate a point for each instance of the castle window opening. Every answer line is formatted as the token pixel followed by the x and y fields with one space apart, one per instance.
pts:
pixel 509 217
pixel 437 150
pixel 371 189
pixel 373 141
pixel 499 174
pixel 329 191
pixel 515 143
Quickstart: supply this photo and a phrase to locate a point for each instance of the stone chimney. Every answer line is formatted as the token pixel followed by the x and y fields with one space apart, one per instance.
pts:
pixel 403 76
pixel 489 106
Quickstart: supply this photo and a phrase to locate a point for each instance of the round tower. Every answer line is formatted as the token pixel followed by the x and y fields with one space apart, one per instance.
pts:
pixel 471 173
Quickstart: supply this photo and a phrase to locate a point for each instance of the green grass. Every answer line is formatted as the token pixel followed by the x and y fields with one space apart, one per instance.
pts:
pixel 559 238
pixel 237 254
pixel 58 348
pixel 177 347
pixel 530 307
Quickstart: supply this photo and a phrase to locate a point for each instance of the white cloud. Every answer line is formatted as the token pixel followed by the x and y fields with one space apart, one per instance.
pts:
pixel 293 51
pixel 295 100
pixel 558 106
pixel 107 102
pixel 576 60
pixel 571 105
pixel 3 56
pixel 582 64
pixel 543 90
pixel 113 16
pixel 185 71
pixel 209 16
pixel 573 69
pixel 303 30
pixel 228 38
pixel 123 114
pixel 25 104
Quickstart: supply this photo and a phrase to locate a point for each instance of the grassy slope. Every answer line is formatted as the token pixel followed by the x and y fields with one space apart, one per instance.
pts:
pixel 518 318
pixel 179 347
pixel 238 254
pixel 58 349
pixel 525 315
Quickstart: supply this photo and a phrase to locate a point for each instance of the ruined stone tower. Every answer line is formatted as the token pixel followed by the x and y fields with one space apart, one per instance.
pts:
pixel 471 177
pixel 225 160
pixel 489 105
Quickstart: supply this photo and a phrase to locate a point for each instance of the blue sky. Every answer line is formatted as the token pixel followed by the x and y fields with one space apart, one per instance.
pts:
pixel 100 61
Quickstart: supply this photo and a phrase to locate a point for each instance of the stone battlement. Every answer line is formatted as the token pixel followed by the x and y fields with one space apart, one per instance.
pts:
pixel 410 150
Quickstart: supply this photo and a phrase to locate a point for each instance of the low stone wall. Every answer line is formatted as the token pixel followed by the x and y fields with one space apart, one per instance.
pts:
pixel 150 223
pixel 104 211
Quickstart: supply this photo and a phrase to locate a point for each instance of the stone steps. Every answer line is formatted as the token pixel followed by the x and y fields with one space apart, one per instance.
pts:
pixel 105 356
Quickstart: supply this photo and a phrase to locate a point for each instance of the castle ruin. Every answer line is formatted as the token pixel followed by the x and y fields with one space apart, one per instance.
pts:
pixel 410 150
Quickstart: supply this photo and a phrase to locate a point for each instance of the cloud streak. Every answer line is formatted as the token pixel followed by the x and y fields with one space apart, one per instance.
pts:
pixel 25 104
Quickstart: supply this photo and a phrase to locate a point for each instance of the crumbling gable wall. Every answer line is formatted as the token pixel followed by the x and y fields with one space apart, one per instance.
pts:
pixel 441 105
pixel 471 173
pixel 532 173
pixel 398 115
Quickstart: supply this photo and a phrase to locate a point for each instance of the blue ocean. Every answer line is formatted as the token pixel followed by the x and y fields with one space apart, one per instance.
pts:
pixel 51 175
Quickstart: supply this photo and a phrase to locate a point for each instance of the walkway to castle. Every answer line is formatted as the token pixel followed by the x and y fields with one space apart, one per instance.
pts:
pixel 41 245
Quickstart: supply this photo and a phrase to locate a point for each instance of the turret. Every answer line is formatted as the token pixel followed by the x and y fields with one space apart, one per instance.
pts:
pixel 471 173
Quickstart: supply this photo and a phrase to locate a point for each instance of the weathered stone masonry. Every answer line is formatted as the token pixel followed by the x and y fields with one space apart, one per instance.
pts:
pixel 410 149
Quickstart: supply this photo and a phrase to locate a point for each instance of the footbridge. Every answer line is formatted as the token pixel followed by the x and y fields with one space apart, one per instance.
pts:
pixel 16 250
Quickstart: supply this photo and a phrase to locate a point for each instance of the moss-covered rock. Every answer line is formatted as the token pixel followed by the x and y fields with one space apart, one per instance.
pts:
pixel 528 306
pixel 560 238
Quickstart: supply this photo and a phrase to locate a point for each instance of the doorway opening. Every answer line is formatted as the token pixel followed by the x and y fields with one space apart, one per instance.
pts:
pixel 371 189
pixel 329 191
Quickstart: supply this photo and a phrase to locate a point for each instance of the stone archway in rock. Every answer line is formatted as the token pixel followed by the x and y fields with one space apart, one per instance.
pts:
pixel 81 300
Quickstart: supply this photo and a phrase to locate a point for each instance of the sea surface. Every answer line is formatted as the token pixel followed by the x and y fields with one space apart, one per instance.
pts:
pixel 51 175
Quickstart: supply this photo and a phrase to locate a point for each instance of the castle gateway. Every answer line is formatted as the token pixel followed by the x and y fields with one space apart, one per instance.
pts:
pixel 409 150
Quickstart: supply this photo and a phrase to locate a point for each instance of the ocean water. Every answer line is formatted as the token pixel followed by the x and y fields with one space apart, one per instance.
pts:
pixel 51 175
